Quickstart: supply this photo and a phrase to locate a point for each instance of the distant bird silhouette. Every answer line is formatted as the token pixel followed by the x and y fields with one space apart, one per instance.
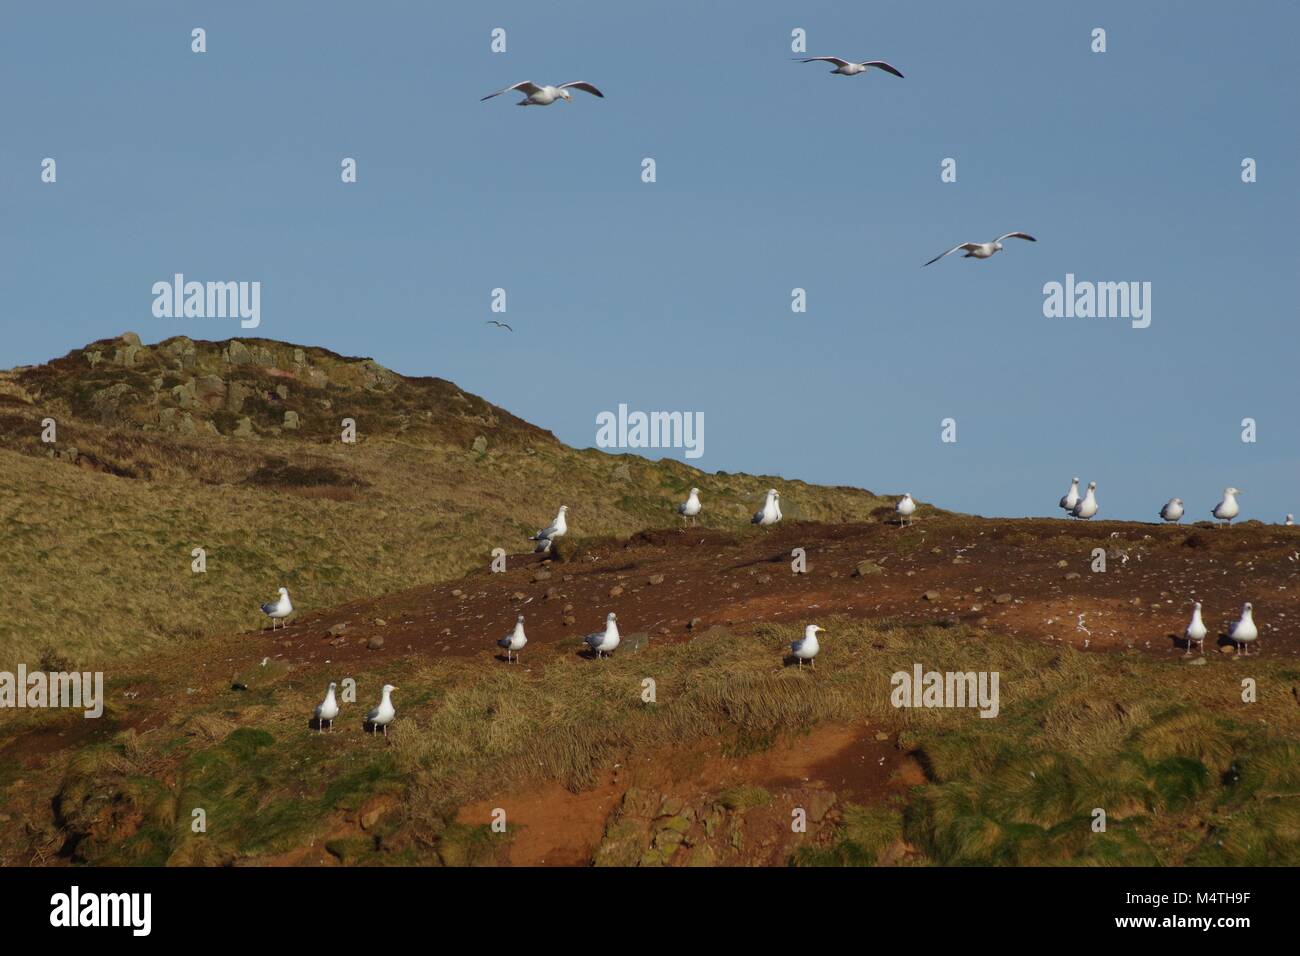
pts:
pixel 501 325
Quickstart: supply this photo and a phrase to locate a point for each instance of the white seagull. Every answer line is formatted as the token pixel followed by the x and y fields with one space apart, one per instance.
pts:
pixel 1244 630
pixel 906 507
pixel 1195 632
pixel 514 642
pixel 1173 510
pixel 280 609
pixel 847 68
pixel 535 95
pixel 807 648
pixel 327 710
pixel 1071 497
pixel 691 506
pixel 770 513
pixel 982 250
pixel 383 715
pixel 557 529
pixel 1086 506
pixel 1290 520
pixel 603 642
pixel 1227 509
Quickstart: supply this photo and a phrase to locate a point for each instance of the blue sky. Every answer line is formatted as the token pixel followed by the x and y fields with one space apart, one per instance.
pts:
pixel 771 175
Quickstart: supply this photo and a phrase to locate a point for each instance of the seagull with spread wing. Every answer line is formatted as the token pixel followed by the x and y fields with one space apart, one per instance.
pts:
pixel 500 325
pixel 845 68
pixel 982 250
pixel 535 95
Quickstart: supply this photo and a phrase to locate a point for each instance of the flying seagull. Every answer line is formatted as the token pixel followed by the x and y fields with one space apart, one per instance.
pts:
pixel 514 641
pixel 1173 510
pixel 982 250
pixel 280 609
pixel 500 325
pixel 845 68
pixel 535 95
pixel 384 713
pixel 558 529
pixel 1227 509
pixel 807 648
pixel 327 710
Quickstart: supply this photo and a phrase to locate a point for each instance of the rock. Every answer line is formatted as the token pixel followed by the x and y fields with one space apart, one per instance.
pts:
pixel 370 818
pixel 291 420
pixel 819 802
pixel 1073 576
pixel 1199 660
pixel 656 579
pixel 764 579
pixel 632 643
pixel 948 621
pixel 336 630
pixel 282 392
pixel 930 596
pixel 375 643
pixel 480 445
pixel 541 574
pixel 130 338
pixel 235 395
pixel 380 622
pixel 1227 649
pixel 551 594
pixel 244 429
pixel 865 568
pixel 622 473
pixel 881 736
pixel 237 353
pixel 1062 563
pixel 616 590
pixel 694 624
pixel 1002 599
pixel 299 357
pixel 520 596
pixel 568 619
pixel 457 593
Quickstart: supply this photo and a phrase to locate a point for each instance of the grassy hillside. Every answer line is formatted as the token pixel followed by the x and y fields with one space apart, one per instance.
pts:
pixel 235 447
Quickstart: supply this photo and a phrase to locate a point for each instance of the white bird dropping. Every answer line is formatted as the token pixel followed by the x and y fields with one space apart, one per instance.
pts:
pixel 1227 509
pixel 1086 506
pixel 1071 497
pixel 280 609
pixel 1195 633
pixel 556 529
pixel 383 715
pixel 1244 630
pixel 770 513
pixel 906 507
pixel 807 648
pixel 603 642
pixel 514 642
pixel 691 506
pixel 327 710
pixel 1173 510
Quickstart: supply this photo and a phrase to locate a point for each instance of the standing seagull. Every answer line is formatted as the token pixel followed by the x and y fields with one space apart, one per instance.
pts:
pixel 327 710
pixel 1227 509
pixel 770 513
pixel 557 529
pixel 1087 505
pixel 1244 630
pixel 691 506
pixel 535 95
pixel 807 648
pixel 603 642
pixel 514 641
pixel 905 508
pixel 1071 497
pixel 1290 520
pixel 846 68
pixel 1173 511
pixel 280 609
pixel 982 250
pixel 1195 633
pixel 383 715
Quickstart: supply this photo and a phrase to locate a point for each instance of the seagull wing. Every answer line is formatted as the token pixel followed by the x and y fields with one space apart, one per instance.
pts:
pixel 965 245
pixel 584 86
pixel 826 59
pixel 527 87
pixel 1016 235
pixel 268 608
pixel 882 65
